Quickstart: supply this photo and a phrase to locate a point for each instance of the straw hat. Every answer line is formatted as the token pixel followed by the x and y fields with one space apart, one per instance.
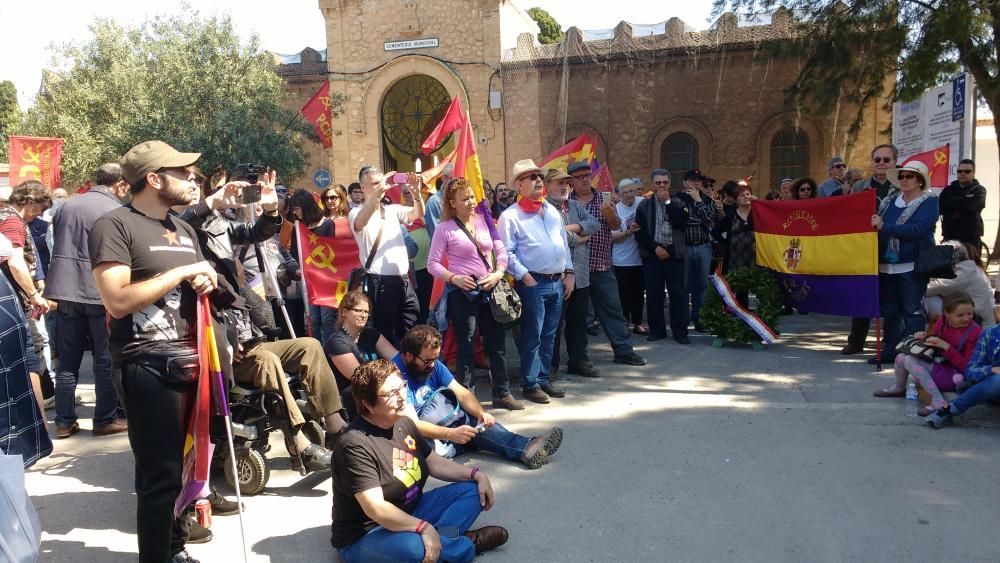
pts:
pixel 914 166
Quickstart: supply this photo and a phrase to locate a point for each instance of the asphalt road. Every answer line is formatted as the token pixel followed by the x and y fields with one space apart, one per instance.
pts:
pixel 703 455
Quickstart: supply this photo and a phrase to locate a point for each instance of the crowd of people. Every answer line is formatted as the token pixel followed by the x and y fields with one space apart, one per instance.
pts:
pixel 389 375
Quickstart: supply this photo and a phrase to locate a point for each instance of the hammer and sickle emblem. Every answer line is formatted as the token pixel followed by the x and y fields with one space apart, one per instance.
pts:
pixel 940 158
pixel 322 257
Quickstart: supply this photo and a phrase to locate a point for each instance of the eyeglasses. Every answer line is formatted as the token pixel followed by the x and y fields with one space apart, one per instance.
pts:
pixel 960 171
pixel 397 393
pixel 533 176
pixel 333 198
pixel 881 159
pixel 362 312
pixel 907 176
pixel 427 362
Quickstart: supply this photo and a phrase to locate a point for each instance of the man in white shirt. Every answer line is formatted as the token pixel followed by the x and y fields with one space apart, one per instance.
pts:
pixel 625 255
pixel 538 257
pixel 387 282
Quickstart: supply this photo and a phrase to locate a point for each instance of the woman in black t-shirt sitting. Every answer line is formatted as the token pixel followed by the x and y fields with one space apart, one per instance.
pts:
pixel 380 510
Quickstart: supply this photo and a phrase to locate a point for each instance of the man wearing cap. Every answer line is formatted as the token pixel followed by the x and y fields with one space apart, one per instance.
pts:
pixel 539 258
pixel 697 242
pixel 80 314
pixel 625 254
pixel 660 235
pixel 395 307
pixel 604 292
pixel 149 272
pixel 837 169
pixel 580 226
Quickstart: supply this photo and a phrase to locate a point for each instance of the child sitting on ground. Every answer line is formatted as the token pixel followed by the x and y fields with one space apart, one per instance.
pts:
pixel 955 333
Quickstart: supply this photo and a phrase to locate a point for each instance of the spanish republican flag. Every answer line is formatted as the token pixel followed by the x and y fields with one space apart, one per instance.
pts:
pixel 466 159
pixel 579 149
pixel 937 162
pixel 824 251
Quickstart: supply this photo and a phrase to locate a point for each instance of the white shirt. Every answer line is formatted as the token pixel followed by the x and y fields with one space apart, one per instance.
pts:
pixel 625 252
pixel 390 258
pixel 535 242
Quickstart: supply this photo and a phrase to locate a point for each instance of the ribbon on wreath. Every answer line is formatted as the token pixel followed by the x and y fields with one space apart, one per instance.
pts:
pixel 767 335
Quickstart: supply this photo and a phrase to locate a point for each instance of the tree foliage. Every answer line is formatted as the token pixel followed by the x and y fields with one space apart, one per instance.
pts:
pixel 10 115
pixel 186 80
pixel 854 51
pixel 551 31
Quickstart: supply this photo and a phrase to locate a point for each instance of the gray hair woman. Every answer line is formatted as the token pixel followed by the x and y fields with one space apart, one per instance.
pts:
pixel 970 277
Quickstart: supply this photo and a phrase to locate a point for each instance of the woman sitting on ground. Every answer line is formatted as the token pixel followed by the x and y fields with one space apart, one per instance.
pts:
pixel 353 343
pixel 970 277
pixel 381 463
pixel 955 334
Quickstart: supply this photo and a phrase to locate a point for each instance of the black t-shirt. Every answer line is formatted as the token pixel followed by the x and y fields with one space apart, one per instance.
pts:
pixel 364 351
pixel 367 457
pixel 149 247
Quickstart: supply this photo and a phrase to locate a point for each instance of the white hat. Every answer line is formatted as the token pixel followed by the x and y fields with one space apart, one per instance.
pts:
pixel 522 167
pixel 914 166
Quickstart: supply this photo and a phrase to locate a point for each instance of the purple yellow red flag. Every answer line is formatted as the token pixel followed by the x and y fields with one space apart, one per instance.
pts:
pixel 580 148
pixel 936 161
pixel 601 179
pixel 326 265
pixel 824 252
pixel 35 158
pixel 318 112
pixel 197 442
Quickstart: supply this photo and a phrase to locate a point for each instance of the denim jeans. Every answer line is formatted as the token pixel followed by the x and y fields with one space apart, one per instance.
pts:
pixel 697 263
pixel 668 273
pixel 322 322
pixel 986 390
pixel 608 309
pixel 78 322
pixel 451 509
pixel 466 315
pixel 901 307
pixel 540 311
pixel 497 440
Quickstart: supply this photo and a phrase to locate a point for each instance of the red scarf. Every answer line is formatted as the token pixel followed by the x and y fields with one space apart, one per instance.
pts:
pixel 531 205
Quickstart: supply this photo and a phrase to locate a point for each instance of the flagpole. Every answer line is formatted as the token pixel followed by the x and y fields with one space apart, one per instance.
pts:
pixel 305 288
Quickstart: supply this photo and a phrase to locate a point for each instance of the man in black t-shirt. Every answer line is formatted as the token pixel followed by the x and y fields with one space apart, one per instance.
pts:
pixel 149 270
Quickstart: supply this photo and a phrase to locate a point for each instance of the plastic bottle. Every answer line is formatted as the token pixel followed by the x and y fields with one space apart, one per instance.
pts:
pixel 911 399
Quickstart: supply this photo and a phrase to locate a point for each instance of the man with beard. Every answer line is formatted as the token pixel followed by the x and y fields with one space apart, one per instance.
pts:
pixel 149 270
pixel 433 393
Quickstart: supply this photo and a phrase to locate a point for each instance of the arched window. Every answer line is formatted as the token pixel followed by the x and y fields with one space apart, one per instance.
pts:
pixel 678 154
pixel 789 154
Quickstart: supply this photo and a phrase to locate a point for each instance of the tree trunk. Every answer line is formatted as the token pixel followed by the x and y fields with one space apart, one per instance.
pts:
pixel 995 251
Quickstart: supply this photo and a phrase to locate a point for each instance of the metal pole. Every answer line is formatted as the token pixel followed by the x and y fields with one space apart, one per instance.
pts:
pixel 269 277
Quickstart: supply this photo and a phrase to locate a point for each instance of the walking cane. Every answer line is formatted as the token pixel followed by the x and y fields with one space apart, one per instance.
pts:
pixel 878 344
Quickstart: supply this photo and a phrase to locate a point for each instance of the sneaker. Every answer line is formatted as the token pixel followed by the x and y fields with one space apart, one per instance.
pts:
pixel 221 506
pixel 583 370
pixel 941 418
pixel 63 432
pixel 508 402
pixel 116 426
pixel 535 455
pixel 553 391
pixel 197 533
pixel 631 359
pixel 317 458
pixel 535 395
pixel 553 439
pixel 314 432
pixel 184 557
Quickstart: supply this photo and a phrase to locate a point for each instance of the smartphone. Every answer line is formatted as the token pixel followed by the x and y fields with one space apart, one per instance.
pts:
pixel 605 196
pixel 251 193
pixel 400 178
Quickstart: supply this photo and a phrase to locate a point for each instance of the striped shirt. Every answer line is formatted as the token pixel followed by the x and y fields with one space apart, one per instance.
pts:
pixel 600 242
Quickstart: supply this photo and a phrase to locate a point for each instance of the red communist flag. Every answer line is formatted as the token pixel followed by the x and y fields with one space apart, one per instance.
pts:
pixel 35 158
pixel 453 119
pixel 317 111
pixel 936 161
pixel 326 264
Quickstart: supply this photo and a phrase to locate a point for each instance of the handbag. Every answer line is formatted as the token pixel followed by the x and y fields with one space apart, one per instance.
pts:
pixel 505 303
pixel 935 261
pixel 356 279
pixel 919 349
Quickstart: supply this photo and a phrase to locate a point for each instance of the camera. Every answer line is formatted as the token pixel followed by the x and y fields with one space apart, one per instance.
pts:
pixel 250 173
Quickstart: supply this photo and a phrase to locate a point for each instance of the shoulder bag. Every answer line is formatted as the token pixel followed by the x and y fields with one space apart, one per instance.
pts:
pixel 505 303
pixel 356 280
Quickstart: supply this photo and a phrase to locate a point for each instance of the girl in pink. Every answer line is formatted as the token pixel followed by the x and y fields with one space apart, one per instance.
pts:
pixel 955 333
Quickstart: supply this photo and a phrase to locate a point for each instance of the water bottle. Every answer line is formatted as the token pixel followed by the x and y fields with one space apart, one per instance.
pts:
pixel 911 399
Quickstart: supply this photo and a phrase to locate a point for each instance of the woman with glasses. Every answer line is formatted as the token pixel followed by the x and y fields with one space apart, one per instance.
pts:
pixel 380 509
pixel 335 202
pixel 804 188
pixel 353 343
pixel 476 263
pixel 905 221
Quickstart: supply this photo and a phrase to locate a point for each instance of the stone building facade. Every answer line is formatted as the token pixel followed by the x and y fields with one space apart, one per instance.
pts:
pixel 652 96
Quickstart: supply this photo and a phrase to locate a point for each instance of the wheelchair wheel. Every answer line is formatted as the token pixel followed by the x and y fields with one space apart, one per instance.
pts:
pixel 252 470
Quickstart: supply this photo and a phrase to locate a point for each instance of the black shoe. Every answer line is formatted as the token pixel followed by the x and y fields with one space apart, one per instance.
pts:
pixel 221 506
pixel 583 370
pixel 553 391
pixel 594 329
pixel 851 349
pixel 184 557
pixel 654 337
pixel 196 534
pixel 631 359
pixel 941 418
pixel 316 458
pixel 683 340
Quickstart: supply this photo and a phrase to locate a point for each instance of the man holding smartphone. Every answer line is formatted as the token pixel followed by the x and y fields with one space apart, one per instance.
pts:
pixel 697 241
pixel 604 292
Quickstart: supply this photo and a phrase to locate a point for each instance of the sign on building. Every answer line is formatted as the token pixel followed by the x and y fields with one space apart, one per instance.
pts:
pixel 411 44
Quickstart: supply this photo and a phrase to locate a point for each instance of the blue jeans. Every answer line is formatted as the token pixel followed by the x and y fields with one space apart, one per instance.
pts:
pixel 76 321
pixel 608 309
pixel 322 322
pixel 540 311
pixel 986 390
pixel 451 509
pixel 901 306
pixel 497 440
pixel 697 263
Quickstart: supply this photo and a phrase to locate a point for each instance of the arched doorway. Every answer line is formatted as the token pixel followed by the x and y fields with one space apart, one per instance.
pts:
pixel 411 108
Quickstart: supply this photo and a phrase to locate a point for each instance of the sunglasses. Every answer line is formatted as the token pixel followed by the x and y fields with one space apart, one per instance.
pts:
pixel 907 176
pixel 960 171
pixel 882 159
pixel 533 176
pixel 332 197
pixel 805 189
pixel 839 166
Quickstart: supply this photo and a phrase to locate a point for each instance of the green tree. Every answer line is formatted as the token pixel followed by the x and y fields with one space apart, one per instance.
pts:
pixel 850 47
pixel 186 80
pixel 551 31
pixel 10 115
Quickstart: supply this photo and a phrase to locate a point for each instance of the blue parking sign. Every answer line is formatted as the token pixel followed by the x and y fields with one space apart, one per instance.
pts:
pixel 322 178
pixel 958 98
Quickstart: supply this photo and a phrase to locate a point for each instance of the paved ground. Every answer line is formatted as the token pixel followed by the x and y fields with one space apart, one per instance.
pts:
pixel 703 455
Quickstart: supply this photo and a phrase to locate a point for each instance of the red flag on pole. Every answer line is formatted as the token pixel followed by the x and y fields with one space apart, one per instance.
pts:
pixel 602 181
pixel 326 265
pixel 937 161
pixel 35 158
pixel 453 119
pixel 317 111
